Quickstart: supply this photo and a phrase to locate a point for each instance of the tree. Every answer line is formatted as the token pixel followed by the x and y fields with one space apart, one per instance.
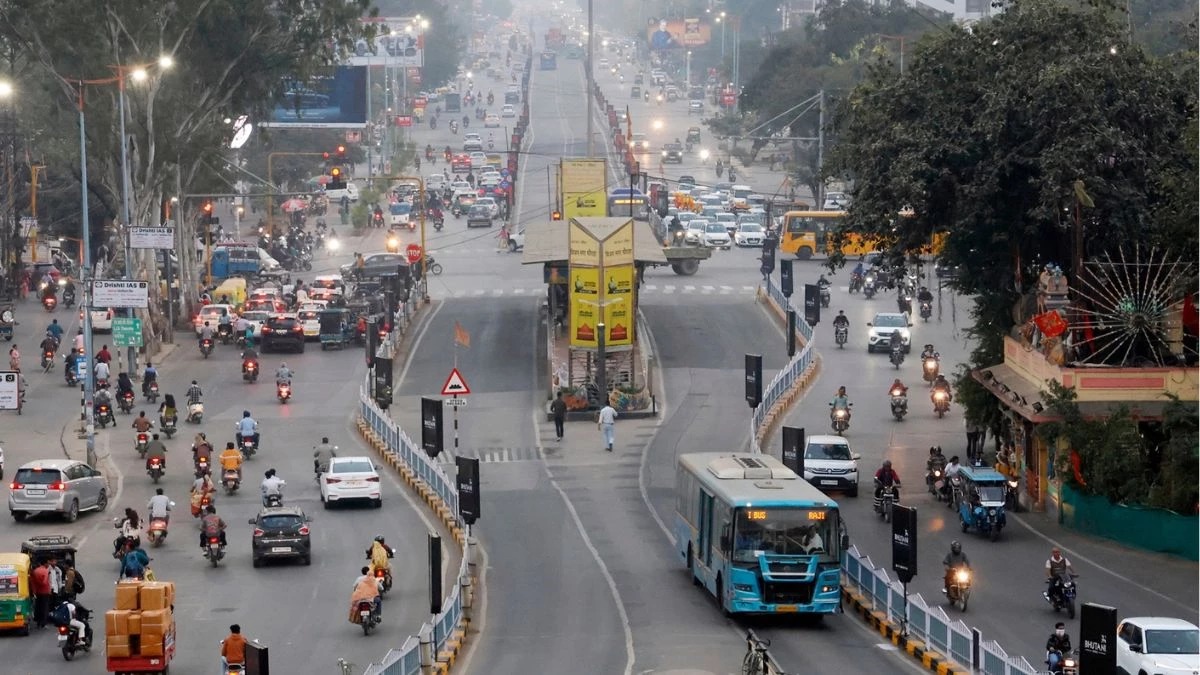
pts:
pixel 992 130
pixel 230 58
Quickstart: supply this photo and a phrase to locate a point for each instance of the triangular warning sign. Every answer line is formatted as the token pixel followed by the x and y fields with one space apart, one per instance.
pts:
pixel 455 384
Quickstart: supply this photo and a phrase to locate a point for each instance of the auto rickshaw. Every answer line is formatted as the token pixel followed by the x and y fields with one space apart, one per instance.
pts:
pixel 463 202
pixel 337 328
pixel 16 596
pixel 693 136
pixel 982 505
pixel 57 546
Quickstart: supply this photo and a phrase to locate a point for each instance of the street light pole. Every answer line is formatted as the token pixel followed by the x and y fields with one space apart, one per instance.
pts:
pixel 126 214
pixel 89 382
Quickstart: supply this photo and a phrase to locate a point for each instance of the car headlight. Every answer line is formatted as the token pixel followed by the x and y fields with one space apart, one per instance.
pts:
pixel 904 334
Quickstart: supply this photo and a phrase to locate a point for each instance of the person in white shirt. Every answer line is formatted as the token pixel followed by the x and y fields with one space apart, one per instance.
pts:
pixel 56 582
pixel 606 421
pixel 102 372
pixel 79 341
pixel 159 506
pixel 272 485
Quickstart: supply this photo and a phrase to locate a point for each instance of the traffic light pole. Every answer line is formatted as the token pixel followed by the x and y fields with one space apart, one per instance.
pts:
pixel 420 218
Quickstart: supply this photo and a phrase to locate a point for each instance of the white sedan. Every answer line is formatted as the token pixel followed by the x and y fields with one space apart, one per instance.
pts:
pixel 508 110
pixel 351 478
pixel 695 231
pixel 309 321
pixel 491 205
pixel 748 234
pixel 492 121
pixel 478 160
pixel 716 236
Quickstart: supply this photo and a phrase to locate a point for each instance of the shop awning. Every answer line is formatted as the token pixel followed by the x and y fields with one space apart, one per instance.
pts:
pixel 546 241
pixel 1023 398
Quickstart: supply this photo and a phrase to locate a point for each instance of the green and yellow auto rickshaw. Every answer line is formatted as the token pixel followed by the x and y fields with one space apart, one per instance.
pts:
pixel 16 597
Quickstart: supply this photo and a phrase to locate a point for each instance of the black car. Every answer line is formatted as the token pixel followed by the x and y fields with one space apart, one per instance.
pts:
pixel 480 216
pixel 672 152
pixel 282 331
pixel 280 532
pixel 375 265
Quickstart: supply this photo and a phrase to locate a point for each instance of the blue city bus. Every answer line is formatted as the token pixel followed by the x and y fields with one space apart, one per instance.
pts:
pixel 452 102
pixel 756 535
pixel 628 202
pixel 549 61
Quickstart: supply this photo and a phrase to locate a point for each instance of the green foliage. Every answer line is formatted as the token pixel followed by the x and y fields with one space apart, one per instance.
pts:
pixel 1149 464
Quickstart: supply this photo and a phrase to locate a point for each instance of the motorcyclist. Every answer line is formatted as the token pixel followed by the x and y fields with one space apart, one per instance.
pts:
pixel 924 296
pixel 225 321
pixel 159 506
pixel 822 282
pixel 131 531
pixel 1057 566
pixel 201 450
pixel 49 345
pixel 379 554
pixel 897 388
pixel 194 393
pixel 167 409
pixel 124 385
pixel 840 402
pixel 149 376
pixel 206 333
pixel 272 486
pixel 886 476
pixel 103 398
pixel 1057 646
pixel 936 459
pixel 841 320
pixel 322 454
pixel 929 353
pixel 366 587
pixel 247 428
pixel 954 560
pixel 896 341
pixel 212 525
pixel 70 363
pixel 77 616
pixel 101 372
pixel 231 459
pixel 249 357
pixel 284 374
pixel 156 450
pixel 941 384
pixel 951 471
pixel 142 423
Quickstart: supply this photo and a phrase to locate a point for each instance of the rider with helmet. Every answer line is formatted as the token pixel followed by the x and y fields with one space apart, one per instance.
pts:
pixel 953 561
pixel 886 476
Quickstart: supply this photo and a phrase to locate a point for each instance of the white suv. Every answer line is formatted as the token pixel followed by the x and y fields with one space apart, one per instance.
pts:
pixel 1152 644
pixel 879 335
pixel 829 464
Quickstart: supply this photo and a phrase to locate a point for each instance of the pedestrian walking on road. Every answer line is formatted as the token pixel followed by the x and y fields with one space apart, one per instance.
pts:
pixel 606 420
pixel 974 438
pixel 558 408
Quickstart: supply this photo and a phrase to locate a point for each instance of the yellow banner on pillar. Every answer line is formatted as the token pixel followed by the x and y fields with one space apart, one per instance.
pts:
pixel 585 306
pixel 618 247
pixel 584 184
pixel 582 247
pixel 619 308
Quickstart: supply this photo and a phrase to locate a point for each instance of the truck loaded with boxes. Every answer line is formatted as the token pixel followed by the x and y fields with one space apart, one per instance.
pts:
pixel 140 629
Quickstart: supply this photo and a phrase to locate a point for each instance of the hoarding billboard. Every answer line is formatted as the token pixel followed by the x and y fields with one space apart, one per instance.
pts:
pixel 335 99
pixel 585 306
pixel 584 187
pixel 677 33
pixel 399 42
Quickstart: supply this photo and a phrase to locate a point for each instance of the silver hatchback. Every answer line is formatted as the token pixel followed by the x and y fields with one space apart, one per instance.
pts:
pixel 56 485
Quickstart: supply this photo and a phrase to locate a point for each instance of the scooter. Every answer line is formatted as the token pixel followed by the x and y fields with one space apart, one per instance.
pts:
pixel 941 403
pixel 195 413
pixel 899 403
pixel 897 356
pixel 125 401
pixel 840 419
pixel 840 335
pixel 926 311
pixel 167 425
pixel 283 391
pixel 69 298
pixel 206 347
pixel 250 371
pixel 202 465
pixel 50 302
pixel 231 481
pixel 868 288
pixel 142 443
pixel 156 470
pixel 69 374
pixel 156 532
pixel 152 392
pixel 214 551
pixel 930 368
pixel 69 642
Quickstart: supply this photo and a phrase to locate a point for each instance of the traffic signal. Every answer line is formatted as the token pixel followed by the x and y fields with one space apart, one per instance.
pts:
pixel 207 218
pixel 337 180
pixel 341 151
pixel 325 156
pixel 555 215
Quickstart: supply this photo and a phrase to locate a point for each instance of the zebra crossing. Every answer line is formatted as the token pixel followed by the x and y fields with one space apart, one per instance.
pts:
pixel 646 289
pixel 492 455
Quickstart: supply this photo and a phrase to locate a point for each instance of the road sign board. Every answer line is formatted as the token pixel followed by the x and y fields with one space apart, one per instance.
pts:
pixel 126 332
pixel 152 237
pixel 413 253
pixel 455 384
pixel 119 293
pixel 455 402
pixel 10 390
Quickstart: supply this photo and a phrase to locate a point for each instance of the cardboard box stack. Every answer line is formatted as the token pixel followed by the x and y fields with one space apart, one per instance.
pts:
pixel 141 619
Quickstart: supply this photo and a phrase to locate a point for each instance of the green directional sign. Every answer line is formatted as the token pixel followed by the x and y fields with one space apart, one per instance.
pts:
pixel 126 332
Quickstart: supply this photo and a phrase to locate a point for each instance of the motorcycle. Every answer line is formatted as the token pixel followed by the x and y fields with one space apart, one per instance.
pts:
pixel 941 403
pixel 386 577
pixel 50 302
pixel 156 532
pixel 206 347
pixel 69 374
pixel 930 368
pixel 225 333
pixel 840 335
pixel 454 128
pixel 868 288
pixel 104 415
pixel 152 392
pixel 156 470
pixel 69 298
pixel 142 443
pixel 933 482
pixel 856 283
pixel 377 220
pixel 47 361
pixel 368 618
pixel 202 465
pixel 195 413
pixel 214 551
pixel 69 643
pixel 1067 665
pixel 249 446
pixel 840 419
pixel 167 424
pixel 884 502
pixel 959 589
pixel 432 266
pixel 250 371
pixel 1062 594
pixel 899 403
pixel 274 500
pixel 231 481
pixel 283 391
pixel 125 401
pixel 897 356
pixel 926 311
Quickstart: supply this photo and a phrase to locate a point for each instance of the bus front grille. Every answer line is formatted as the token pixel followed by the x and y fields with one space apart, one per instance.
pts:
pixel 787 592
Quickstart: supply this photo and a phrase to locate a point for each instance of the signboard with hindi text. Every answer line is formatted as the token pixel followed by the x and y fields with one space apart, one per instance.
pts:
pixel 584 301
pixel 584 185
pixel 618 306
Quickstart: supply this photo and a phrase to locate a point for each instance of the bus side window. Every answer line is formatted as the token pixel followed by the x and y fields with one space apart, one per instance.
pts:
pixel 725 543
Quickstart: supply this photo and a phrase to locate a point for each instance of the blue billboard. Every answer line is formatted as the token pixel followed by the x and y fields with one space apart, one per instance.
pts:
pixel 335 99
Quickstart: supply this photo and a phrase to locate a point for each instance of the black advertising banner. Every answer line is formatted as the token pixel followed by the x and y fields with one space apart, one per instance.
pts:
pixel 431 426
pixel 791 333
pixel 435 575
pixel 904 542
pixel 468 488
pixel 1097 639
pixel 383 382
pixel 793 449
pixel 372 339
pixel 753 380
pixel 812 304
pixel 785 277
pixel 258 659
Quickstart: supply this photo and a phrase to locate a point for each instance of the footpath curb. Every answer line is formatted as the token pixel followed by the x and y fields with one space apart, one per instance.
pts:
pixel 929 659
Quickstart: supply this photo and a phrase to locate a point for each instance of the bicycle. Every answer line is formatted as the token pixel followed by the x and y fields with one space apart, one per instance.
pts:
pixel 755 662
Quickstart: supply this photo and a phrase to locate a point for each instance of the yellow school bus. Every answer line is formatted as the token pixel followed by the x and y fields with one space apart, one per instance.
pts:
pixel 806 234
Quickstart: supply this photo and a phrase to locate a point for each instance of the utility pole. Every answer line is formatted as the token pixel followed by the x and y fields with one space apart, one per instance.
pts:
pixel 819 198
pixel 589 83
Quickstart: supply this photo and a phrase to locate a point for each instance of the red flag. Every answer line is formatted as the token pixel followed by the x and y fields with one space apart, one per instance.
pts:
pixel 461 337
pixel 628 125
pixel 1051 323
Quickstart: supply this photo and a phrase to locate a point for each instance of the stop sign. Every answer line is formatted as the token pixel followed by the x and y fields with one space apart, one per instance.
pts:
pixel 413 253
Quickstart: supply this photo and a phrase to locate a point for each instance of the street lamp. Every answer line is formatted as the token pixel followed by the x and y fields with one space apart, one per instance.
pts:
pixel 689 69
pixel 721 20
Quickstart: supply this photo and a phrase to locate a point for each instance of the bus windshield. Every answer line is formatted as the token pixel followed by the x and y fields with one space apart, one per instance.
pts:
pixel 784 531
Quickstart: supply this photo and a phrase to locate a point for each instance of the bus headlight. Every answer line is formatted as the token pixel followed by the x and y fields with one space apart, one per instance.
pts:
pixel 744 588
